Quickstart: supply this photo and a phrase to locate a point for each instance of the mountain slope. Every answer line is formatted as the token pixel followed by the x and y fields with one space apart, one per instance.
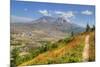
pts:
pixel 48 23
pixel 70 52
pixel 57 24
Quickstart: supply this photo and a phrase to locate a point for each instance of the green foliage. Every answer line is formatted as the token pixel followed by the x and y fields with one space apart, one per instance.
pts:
pixel 47 46
pixel 74 55
pixel 72 33
pixel 21 59
pixel 14 55
pixel 87 28
pixel 93 28
pixel 33 53
pixel 50 61
pixel 66 40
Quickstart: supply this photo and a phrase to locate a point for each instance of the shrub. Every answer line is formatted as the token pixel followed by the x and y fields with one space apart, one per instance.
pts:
pixel 14 55
pixel 87 28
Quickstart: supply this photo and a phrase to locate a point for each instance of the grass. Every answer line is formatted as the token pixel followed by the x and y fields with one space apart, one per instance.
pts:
pixel 92 47
pixel 69 51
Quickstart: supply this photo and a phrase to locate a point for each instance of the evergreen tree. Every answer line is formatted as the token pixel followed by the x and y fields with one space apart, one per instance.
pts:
pixel 87 28
pixel 93 27
pixel 72 33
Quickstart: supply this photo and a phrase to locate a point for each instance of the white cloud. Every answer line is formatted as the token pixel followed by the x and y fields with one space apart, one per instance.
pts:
pixel 44 12
pixel 87 12
pixel 67 15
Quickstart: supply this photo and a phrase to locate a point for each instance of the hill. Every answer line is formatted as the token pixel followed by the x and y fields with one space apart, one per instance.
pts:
pixel 68 50
pixel 45 28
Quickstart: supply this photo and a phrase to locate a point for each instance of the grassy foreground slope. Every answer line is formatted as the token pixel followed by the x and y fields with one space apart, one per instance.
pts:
pixel 67 52
pixel 92 47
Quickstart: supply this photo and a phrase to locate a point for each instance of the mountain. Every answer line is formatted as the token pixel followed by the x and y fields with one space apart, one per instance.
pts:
pixel 45 19
pixel 48 24
pixel 57 24
pixel 60 21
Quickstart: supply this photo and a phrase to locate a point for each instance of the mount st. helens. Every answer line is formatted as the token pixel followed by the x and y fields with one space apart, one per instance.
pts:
pixel 45 28
pixel 48 24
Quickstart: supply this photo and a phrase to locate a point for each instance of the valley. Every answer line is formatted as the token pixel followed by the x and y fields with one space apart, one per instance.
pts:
pixel 48 41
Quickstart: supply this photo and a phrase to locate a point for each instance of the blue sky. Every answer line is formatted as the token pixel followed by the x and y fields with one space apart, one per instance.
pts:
pixel 28 11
